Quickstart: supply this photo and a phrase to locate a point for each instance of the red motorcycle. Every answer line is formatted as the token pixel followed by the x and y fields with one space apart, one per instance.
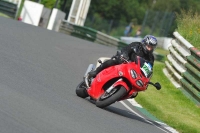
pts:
pixel 117 82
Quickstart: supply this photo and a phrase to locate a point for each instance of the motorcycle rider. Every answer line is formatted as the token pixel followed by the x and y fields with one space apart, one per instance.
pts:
pixel 143 49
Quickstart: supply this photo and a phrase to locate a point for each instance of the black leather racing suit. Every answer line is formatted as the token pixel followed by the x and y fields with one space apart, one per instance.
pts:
pixel 131 51
pixel 136 49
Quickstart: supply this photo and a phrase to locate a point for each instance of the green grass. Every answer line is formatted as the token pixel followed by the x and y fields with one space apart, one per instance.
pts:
pixel 188 25
pixel 161 51
pixel 3 15
pixel 161 54
pixel 169 104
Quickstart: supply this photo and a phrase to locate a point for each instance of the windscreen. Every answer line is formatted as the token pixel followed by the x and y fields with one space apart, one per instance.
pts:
pixel 146 67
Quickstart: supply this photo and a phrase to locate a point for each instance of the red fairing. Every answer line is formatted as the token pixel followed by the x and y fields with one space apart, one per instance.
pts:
pixel 123 72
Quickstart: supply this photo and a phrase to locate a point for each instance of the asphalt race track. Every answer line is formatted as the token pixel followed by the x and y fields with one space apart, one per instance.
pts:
pixel 39 71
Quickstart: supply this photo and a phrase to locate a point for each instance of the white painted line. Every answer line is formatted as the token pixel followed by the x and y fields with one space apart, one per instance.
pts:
pixel 140 116
pixel 134 103
pixel 167 127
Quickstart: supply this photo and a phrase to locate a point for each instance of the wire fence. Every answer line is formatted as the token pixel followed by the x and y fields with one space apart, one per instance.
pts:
pixel 158 23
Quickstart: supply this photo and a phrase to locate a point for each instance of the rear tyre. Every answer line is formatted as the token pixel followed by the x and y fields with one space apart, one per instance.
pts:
pixel 81 90
pixel 108 98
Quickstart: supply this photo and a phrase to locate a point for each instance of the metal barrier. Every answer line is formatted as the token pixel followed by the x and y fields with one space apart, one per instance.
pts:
pixel 183 67
pixel 8 8
pixel 89 34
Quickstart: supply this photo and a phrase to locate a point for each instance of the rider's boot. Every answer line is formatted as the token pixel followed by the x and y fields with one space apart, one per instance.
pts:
pixel 93 74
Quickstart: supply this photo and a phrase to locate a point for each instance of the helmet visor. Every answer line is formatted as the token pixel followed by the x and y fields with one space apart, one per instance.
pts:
pixel 150 47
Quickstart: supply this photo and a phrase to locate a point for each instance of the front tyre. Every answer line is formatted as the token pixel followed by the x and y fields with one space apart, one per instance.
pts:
pixel 81 90
pixel 107 99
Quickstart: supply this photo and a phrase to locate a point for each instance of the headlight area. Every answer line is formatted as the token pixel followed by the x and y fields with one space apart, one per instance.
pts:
pixel 140 83
pixel 133 74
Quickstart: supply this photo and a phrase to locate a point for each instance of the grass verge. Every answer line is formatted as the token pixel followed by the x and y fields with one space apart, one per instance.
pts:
pixel 169 104
pixel 3 15
pixel 188 25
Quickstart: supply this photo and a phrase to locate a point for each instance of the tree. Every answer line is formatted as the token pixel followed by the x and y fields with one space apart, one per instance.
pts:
pixel 65 6
pixel 46 3
pixel 124 10
pixel 169 5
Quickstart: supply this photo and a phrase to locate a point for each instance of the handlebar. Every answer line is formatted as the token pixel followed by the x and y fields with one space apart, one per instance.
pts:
pixel 118 56
pixel 124 59
pixel 157 85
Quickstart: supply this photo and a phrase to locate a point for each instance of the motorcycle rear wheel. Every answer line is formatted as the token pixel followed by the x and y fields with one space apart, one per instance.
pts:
pixel 81 90
pixel 106 99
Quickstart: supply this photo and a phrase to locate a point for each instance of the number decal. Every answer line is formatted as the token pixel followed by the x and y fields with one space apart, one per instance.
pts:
pixel 146 69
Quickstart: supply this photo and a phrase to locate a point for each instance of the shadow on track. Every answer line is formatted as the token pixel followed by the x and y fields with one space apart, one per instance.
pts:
pixel 124 113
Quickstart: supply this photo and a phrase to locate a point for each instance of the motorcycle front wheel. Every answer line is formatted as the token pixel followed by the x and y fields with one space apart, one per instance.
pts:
pixel 81 90
pixel 107 99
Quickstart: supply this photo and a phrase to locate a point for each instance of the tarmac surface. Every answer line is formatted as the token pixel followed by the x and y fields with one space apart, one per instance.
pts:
pixel 39 71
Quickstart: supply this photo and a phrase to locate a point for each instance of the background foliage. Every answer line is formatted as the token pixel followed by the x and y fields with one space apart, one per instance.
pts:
pixel 189 26
pixel 112 16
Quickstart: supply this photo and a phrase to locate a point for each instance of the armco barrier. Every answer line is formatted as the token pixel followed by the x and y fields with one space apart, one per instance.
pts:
pixel 66 28
pixel 84 33
pixel 183 67
pixel 105 39
pixel 89 34
pixel 8 8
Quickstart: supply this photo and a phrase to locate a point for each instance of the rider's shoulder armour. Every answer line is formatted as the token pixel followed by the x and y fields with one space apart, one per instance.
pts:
pixel 136 48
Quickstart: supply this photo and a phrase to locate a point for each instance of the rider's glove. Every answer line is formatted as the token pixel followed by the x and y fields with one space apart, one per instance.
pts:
pixel 120 56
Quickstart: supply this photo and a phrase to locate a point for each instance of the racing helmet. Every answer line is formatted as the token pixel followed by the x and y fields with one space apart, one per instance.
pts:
pixel 149 41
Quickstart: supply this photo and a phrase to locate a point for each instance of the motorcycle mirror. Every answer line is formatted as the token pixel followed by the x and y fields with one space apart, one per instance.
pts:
pixel 157 85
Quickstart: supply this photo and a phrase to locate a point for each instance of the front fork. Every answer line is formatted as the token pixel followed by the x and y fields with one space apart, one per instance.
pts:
pixel 90 68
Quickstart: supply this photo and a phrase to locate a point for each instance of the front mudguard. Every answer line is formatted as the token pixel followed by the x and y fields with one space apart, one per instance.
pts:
pixel 130 93
pixel 121 83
